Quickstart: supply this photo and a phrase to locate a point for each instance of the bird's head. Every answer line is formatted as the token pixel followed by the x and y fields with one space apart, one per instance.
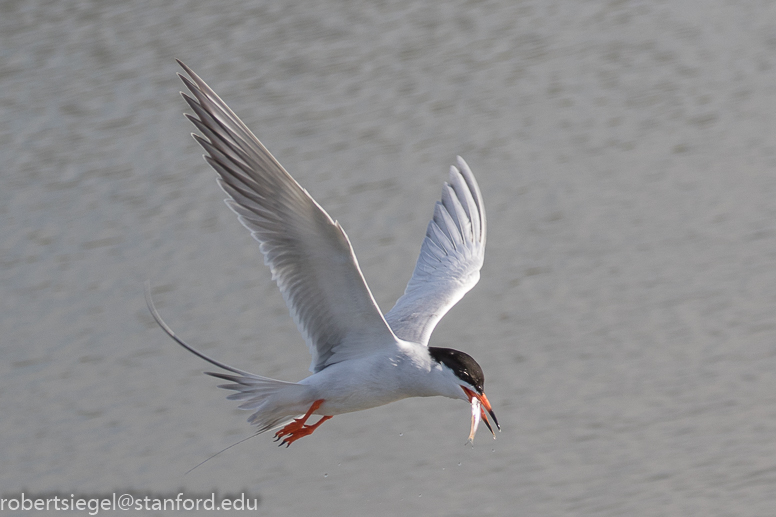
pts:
pixel 471 379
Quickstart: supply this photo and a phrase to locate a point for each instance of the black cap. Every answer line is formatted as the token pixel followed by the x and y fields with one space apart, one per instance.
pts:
pixel 463 366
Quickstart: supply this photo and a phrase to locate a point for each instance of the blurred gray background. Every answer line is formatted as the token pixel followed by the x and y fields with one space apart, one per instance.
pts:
pixel 626 315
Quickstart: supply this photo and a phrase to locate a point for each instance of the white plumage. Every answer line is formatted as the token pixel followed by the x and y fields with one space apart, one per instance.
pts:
pixel 360 359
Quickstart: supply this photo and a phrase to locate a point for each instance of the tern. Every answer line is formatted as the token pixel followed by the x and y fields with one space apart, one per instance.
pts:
pixel 361 358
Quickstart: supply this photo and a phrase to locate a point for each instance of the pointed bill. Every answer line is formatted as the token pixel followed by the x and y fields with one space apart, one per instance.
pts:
pixel 480 403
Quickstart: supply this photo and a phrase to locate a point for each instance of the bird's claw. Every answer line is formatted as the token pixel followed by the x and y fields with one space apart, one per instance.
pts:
pixel 297 429
pixel 292 436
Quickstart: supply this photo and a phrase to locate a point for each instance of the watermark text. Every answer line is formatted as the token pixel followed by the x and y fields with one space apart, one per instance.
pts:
pixel 126 501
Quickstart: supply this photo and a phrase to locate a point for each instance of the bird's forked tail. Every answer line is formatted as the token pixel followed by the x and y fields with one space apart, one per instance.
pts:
pixel 269 399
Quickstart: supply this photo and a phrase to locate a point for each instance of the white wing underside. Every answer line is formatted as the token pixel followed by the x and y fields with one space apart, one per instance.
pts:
pixel 310 256
pixel 450 259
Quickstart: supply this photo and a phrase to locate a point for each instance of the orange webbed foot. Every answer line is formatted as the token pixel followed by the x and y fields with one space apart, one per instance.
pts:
pixel 305 430
pixel 297 429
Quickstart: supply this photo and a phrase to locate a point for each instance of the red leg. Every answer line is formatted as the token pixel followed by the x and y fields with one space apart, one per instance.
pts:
pixel 298 429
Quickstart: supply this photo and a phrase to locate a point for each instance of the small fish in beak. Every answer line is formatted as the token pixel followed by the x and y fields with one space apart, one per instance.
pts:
pixel 476 417
pixel 479 404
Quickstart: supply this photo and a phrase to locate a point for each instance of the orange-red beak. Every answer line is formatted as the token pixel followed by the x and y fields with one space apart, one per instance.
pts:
pixel 482 403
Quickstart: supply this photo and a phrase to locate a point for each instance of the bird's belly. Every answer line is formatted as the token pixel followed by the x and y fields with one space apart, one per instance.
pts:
pixel 359 387
pixel 358 400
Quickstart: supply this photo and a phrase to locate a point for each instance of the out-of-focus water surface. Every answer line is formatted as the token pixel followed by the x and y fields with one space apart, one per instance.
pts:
pixel 626 315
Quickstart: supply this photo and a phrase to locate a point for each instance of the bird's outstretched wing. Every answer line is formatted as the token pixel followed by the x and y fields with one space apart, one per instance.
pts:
pixel 450 259
pixel 309 254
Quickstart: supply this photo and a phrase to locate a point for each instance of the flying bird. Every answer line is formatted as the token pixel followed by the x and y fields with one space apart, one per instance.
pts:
pixel 360 358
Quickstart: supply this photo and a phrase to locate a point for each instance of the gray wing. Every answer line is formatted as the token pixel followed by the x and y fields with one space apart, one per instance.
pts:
pixel 309 254
pixel 450 259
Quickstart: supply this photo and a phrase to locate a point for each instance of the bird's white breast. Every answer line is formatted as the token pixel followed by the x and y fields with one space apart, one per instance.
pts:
pixel 404 371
